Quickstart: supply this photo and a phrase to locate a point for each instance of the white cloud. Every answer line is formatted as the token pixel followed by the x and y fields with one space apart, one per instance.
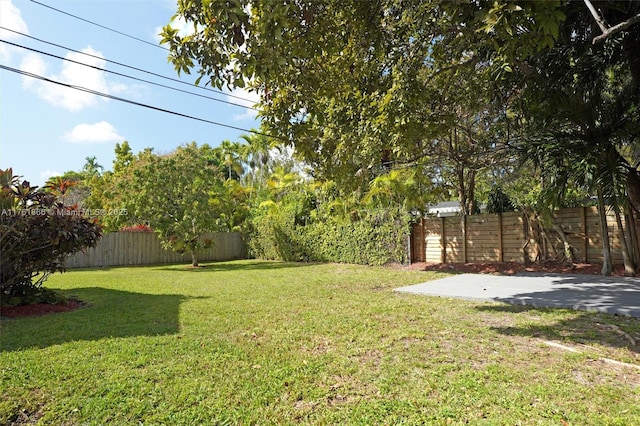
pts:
pixel 33 64
pixel 249 100
pixel 46 174
pixel 101 132
pixel 10 17
pixel 72 74
pixel 184 28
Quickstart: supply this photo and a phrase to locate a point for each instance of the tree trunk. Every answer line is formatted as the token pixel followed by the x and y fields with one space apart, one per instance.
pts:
pixel 629 267
pixel 630 221
pixel 471 192
pixel 633 189
pixel 194 258
pixel 462 193
pixel 568 251
pixel 607 266
pixel 549 249
pixel 533 235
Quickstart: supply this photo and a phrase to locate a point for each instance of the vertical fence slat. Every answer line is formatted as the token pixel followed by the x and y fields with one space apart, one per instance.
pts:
pixel 443 244
pixel 505 237
pixel 464 238
pixel 143 248
pixel 585 234
pixel 500 247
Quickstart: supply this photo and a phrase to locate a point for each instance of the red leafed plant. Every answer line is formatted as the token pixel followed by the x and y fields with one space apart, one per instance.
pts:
pixel 37 233
pixel 136 228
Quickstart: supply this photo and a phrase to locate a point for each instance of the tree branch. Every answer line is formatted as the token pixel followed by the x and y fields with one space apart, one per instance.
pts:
pixel 601 23
pixel 472 61
pixel 616 28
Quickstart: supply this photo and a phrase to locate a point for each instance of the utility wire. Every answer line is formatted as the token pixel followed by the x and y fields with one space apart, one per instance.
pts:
pixel 124 75
pixel 117 98
pixel 125 65
pixel 401 164
pixel 101 26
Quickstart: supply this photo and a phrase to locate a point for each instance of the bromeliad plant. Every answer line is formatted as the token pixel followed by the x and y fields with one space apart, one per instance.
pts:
pixel 37 232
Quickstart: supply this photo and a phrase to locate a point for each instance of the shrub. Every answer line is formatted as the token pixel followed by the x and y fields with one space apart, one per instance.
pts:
pixel 380 237
pixel 37 233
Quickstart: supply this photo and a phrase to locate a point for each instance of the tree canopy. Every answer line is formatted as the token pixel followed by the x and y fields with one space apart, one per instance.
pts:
pixel 459 90
pixel 355 85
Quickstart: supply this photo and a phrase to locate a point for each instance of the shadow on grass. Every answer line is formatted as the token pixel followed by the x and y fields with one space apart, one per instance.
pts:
pixel 235 266
pixel 107 314
pixel 584 328
pixel 611 295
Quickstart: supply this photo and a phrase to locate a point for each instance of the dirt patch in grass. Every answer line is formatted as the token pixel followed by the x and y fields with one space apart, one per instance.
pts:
pixel 39 309
pixel 26 418
pixel 372 357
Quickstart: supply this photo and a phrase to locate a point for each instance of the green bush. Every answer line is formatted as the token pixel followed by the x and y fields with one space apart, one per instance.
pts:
pixel 37 232
pixel 378 238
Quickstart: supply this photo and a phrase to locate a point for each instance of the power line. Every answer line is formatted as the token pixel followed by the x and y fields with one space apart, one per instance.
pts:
pixel 127 76
pixel 140 104
pixel 124 75
pixel 99 25
pixel 125 65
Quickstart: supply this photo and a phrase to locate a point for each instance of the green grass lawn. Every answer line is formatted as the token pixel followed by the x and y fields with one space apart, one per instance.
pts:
pixel 254 342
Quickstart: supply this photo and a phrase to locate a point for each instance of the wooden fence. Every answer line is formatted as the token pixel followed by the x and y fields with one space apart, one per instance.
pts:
pixel 143 248
pixel 506 237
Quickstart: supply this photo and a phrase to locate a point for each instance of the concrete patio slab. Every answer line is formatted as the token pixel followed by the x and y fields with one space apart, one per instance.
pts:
pixel 612 295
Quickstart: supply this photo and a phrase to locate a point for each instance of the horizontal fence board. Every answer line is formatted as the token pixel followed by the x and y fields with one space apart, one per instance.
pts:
pixel 484 235
pixel 144 248
pixel 486 245
pixel 484 257
pixel 485 238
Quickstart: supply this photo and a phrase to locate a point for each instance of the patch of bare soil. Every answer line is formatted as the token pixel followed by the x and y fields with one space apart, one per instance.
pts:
pixel 39 309
pixel 510 268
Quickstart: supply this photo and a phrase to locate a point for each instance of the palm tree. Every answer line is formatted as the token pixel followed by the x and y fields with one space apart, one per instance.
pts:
pixel 257 152
pixel 231 159
pixel 391 189
pixel 91 167
pixel 583 110
pixel 282 180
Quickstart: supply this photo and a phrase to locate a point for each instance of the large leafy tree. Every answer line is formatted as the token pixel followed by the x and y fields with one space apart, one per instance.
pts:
pixel 360 87
pixel 347 81
pixel 321 68
pixel 109 191
pixel 174 195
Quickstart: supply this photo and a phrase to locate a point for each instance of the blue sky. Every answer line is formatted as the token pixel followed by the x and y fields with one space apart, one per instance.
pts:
pixel 46 129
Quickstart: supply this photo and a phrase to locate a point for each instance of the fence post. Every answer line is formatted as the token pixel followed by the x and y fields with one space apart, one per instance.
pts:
pixel 464 238
pixel 443 246
pixel 527 237
pixel 501 249
pixel 423 239
pixel 583 229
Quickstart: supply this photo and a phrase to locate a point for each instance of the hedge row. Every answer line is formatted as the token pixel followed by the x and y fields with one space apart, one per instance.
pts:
pixel 377 239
